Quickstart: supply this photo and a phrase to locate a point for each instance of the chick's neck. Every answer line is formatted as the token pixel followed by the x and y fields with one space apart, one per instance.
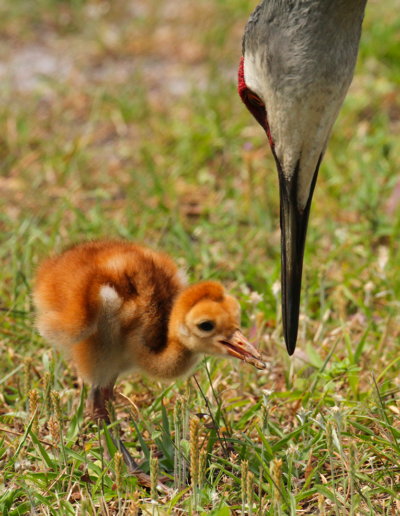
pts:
pixel 173 361
pixel 175 358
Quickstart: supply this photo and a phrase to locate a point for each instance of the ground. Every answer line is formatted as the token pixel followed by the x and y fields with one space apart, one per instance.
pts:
pixel 122 119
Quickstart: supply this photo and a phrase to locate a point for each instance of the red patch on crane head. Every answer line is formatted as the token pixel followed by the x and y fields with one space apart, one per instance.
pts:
pixel 241 82
pixel 253 103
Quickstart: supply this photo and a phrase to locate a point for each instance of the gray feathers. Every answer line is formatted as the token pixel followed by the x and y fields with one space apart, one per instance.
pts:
pixel 299 58
pixel 305 38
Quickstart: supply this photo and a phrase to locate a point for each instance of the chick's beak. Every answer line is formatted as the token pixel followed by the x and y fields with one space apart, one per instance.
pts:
pixel 238 346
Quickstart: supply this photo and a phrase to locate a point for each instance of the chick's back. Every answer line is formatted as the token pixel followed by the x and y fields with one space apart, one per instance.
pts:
pixel 106 282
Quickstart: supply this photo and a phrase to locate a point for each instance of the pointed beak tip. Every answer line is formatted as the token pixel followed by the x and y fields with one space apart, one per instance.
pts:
pixel 291 344
pixel 239 347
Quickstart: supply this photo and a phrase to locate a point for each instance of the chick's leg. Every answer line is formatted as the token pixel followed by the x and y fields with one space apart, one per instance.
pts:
pixel 96 404
pixel 97 401
pixel 97 408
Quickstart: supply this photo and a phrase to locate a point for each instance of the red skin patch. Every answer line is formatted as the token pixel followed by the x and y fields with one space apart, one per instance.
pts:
pixel 259 112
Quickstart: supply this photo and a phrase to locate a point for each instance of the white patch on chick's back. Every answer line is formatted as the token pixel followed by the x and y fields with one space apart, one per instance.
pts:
pixel 110 297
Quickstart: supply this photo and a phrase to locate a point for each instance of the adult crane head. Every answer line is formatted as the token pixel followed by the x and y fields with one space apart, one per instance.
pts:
pixel 298 62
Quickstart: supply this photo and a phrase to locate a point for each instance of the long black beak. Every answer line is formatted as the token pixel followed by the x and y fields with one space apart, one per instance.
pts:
pixel 293 238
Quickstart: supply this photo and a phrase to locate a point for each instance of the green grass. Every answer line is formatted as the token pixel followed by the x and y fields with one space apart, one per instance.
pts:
pixel 138 132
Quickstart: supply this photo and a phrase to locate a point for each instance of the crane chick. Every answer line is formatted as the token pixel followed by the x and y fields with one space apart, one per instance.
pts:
pixel 117 307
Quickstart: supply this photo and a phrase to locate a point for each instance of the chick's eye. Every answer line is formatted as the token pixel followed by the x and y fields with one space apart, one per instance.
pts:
pixel 254 99
pixel 206 326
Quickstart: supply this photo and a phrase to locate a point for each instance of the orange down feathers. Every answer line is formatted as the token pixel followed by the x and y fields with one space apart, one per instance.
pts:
pixel 115 307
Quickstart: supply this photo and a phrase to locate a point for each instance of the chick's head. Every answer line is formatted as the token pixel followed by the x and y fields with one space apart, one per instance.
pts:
pixel 207 321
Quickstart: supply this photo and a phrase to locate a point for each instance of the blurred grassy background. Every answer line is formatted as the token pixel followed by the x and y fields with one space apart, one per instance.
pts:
pixel 122 119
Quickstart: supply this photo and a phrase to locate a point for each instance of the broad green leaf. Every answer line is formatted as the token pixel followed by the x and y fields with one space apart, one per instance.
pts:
pixel 223 511
pixel 185 447
pixel 325 492
pixel 143 445
pixel 76 420
pixel 110 444
pixel 167 442
pixel 50 464
pixel 314 357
